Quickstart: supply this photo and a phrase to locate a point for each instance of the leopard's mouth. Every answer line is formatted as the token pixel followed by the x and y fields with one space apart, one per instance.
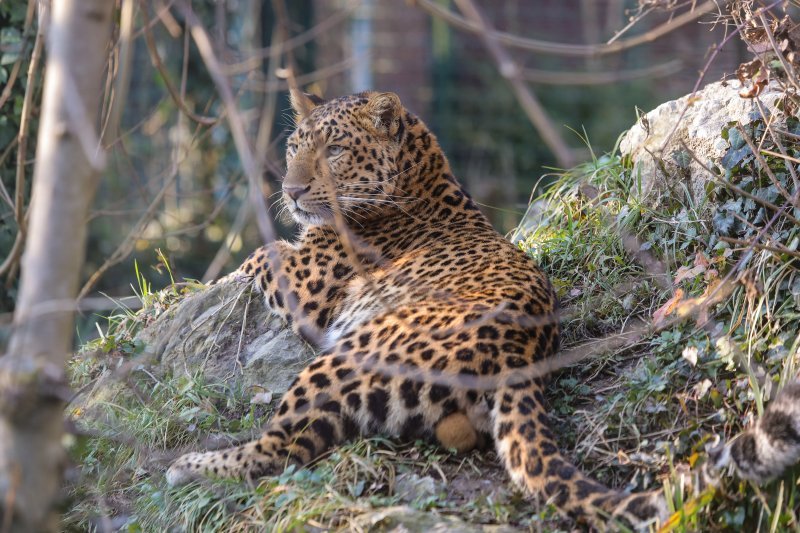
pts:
pixel 304 217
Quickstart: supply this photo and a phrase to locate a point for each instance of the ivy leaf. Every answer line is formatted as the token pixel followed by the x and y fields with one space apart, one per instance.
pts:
pixel 723 221
pixel 734 156
pixel 735 138
pixel 770 194
pixel 681 158
pixel 761 216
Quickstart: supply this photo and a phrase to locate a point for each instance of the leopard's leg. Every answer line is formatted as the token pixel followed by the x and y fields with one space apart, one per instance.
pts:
pixel 335 397
pixel 531 455
pixel 302 284
pixel 310 419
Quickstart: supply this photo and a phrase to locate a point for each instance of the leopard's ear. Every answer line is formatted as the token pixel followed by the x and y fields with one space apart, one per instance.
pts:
pixel 383 111
pixel 303 103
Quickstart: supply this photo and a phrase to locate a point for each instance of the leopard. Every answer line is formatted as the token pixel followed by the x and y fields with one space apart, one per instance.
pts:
pixel 429 323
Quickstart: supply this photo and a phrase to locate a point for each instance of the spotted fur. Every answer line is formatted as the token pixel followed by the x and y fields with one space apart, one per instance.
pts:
pixel 438 293
pixel 772 445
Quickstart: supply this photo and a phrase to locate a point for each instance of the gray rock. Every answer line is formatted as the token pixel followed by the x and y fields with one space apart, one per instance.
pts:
pixel 227 332
pixel 655 144
pixel 410 487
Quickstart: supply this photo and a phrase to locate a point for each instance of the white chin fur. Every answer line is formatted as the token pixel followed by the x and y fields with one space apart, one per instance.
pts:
pixel 305 218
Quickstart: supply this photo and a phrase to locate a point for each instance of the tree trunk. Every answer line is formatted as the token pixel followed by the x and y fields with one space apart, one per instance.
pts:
pixel 68 160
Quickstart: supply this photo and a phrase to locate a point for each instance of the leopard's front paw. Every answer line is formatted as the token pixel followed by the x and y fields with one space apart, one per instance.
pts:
pixel 237 276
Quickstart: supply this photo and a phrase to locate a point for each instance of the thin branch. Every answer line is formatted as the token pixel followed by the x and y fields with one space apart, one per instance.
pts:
pixel 788 68
pixel 275 50
pixel 24 126
pixel 511 72
pixel 159 65
pixel 224 252
pixel 126 246
pixel 601 78
pixel 123 75
pixel 12 76
pixel 10 263
pixel 3 191
pixel 571 50
pixel 759 246
pixel 763 164
pixel 274 85
pixel 252 168
pixel 776 140
pixel 166 18
pixel 700 78
pixel 781 155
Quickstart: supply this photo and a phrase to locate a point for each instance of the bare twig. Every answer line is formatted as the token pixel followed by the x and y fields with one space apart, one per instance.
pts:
pixel 224 252
pixel 123 74
pixel 159 65
pixel 275 50
pixel 782 155
pixel 788 68
pixel 3 191
pixel 166 18
pixel 511 72
pixel 764 203
pixel 12 76
pixel 776 140
pixel 572 50
pixel 700 78
pixel 763 164
pixel 126 246
pixel 251 166
pixel 274 84
pixel 759 246
pixel 601 78
pixel 10 263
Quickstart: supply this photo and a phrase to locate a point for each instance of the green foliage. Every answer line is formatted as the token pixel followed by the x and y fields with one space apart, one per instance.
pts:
pixel 660 401
pixel 14 45
pixel 638 416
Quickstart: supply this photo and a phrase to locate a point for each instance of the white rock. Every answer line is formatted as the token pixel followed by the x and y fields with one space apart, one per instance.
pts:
pixel 654 141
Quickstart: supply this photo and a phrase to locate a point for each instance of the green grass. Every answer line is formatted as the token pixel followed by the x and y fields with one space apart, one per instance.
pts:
pixel 639 417
pixel 645 413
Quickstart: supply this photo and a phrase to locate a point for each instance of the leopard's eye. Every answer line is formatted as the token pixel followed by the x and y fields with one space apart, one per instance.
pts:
pixel 334 150
pixel 291 150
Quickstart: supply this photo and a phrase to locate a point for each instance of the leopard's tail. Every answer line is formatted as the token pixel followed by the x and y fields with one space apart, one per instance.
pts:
pixel 772 445
pixel 528 449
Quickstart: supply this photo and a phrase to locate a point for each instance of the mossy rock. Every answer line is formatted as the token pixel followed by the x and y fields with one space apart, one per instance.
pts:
pixel 228 333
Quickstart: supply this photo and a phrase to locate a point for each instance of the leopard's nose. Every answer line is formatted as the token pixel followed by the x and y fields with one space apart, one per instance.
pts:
pixel 296 192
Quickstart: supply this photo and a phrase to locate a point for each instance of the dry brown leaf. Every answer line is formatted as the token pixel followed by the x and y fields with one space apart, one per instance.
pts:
pixel 668 308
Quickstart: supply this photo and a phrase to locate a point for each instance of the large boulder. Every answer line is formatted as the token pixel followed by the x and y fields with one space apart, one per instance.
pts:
pixel 657 145
pixel 227 332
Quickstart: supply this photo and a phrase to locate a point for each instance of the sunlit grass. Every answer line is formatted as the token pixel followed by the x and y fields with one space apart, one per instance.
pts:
pixel 637 418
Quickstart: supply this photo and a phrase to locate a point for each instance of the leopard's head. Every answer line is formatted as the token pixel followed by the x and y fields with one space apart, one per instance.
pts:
pixel 343 152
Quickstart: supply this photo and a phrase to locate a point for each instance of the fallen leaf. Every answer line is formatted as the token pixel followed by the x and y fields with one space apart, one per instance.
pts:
pixel 700 259
pixel 668 308
pixel 262 398
pixel 690 354
pixel 688 273
pixel 702 388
